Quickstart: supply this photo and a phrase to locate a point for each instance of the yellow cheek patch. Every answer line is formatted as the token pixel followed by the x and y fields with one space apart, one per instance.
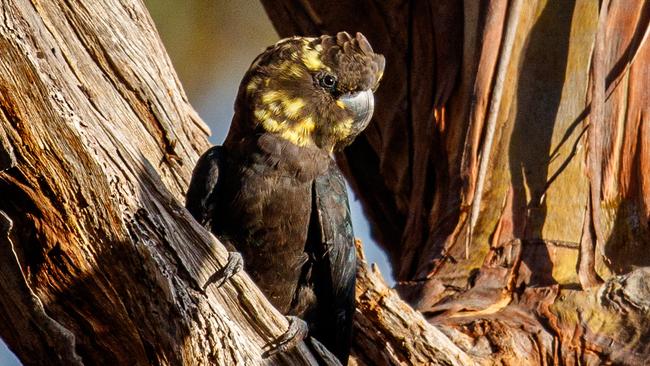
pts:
pixel 295 70
pixel 308 125
pixel 276 108
pixel 261 114
pixel 343 129
pixel 300 133
pixel 311 59
pixel 252 86
pixel 340 104
pixel 292 107
pixel 273 125
pixel 273 96
pixel 291 69
pixel 280 104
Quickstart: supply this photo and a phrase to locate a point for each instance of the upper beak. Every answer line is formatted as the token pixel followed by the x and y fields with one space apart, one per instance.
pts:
pixel 362 105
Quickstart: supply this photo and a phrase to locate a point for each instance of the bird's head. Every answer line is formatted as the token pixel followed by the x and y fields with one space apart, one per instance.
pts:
pixel 312 91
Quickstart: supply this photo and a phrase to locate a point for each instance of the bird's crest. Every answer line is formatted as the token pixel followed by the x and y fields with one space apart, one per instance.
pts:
pixel 311 91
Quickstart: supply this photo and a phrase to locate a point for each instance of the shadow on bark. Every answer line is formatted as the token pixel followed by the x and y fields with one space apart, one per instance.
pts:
pixel 539 94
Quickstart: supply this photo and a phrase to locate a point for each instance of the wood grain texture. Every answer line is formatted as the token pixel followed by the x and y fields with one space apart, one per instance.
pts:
pixel 99 262
pixel 382 318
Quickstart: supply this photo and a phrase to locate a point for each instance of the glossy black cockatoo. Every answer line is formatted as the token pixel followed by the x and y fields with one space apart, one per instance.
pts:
pixel 273 192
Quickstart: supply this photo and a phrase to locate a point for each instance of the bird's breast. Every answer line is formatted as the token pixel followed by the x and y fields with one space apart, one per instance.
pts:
pixel 265 213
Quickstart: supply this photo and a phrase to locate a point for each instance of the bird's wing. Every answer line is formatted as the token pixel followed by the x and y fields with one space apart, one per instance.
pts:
pixel 200 194
pixel 336 268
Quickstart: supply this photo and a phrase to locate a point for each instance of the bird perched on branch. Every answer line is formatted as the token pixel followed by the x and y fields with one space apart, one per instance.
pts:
pixel 273 193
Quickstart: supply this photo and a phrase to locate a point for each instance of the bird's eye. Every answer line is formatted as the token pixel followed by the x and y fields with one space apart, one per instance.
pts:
pixel 328 81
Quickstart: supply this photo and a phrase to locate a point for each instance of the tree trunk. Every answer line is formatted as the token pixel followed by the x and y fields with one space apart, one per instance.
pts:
pixel 503 173
pixel 99 262
pixel 506 170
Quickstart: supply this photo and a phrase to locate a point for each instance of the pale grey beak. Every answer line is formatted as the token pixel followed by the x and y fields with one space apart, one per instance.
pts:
pixel 362 105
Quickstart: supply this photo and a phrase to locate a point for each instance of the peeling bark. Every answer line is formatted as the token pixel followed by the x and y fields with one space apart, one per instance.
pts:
pixel 513 203
pixel 101 264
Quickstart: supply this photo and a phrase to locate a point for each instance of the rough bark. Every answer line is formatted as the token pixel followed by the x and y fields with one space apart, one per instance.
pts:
pixel 390 332
pixel 505 172
pixel 103 265
pixel 99 262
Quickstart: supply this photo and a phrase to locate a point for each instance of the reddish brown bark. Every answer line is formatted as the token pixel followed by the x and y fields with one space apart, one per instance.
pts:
pixel 565 200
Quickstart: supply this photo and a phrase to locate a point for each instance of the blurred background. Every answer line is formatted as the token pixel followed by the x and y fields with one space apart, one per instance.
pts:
pixel 211 44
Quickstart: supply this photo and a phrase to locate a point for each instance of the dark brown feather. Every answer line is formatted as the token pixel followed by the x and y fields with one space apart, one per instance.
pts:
pixel 273 191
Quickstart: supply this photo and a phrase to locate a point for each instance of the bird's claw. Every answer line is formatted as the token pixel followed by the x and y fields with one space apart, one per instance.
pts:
pixel 297 332
pixel 235 264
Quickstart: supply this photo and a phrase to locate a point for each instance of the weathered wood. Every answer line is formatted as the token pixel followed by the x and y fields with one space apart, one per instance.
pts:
pixel 101 264
pixel 389 332
pixel 99 261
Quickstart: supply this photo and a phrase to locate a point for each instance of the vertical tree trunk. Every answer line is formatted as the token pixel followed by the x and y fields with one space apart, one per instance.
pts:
pixel 505 171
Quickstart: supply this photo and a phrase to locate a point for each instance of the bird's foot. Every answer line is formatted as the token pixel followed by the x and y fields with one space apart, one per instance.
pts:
pixel 297 332
pixel 235 264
